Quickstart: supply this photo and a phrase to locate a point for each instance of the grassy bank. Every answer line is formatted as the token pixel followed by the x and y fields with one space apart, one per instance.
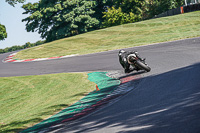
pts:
pixel 123 36
pixel 27 100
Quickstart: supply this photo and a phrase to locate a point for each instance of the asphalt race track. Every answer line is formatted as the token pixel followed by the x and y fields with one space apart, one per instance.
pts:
pixel 166 100
pixel 158 56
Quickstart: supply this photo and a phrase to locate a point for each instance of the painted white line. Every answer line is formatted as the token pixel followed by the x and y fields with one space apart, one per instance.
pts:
pixel 69 56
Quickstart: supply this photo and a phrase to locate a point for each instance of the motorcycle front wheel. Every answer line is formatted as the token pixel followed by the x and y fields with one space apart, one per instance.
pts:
pixel 143 66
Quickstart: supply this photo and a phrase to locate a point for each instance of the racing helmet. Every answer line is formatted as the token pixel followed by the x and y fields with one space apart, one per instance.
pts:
pixel 122 51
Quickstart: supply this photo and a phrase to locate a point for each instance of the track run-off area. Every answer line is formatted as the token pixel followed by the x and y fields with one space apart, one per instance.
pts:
pixel 167 99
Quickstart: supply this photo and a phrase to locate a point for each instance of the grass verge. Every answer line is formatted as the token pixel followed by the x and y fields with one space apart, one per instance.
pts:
pixel 123 36
pixel 27 100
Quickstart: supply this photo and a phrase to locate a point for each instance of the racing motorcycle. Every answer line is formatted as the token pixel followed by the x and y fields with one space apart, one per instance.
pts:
pixel 138 63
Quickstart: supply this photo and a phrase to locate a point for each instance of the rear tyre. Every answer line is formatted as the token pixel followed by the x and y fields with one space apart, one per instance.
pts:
pixel 143 66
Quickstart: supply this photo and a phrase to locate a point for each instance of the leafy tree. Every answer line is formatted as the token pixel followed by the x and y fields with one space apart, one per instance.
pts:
pixel 3 33
pixel 101 7
pixel 39 43
pixel 13 2
pixel 1 51
pixel 131 10
pixel 171 4
pixel 122 11
pixel 6 50
pixel 128 6
pixel 117 17
pixel 147 8
pixel 150 8
pixel 56 19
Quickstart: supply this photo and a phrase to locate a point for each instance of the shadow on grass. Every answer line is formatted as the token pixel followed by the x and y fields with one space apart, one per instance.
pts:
pixel 9 127
pixel 79 94
pixel 167 102
pixel 76 110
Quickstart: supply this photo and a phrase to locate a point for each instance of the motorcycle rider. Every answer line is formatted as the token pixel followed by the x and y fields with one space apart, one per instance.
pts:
pixel 123 59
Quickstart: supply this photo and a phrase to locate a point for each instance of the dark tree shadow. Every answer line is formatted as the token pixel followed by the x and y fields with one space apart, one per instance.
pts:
pixel 72 111
pixel 163 103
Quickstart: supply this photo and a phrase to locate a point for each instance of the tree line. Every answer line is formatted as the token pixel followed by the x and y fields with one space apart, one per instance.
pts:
pixel 16 47
pixel 56 19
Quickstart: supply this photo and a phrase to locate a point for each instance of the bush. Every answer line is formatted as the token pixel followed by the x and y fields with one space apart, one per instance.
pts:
pixel 115 17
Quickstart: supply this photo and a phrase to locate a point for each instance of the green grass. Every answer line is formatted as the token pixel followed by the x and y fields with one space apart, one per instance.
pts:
pixel 27 100
pixel 123 36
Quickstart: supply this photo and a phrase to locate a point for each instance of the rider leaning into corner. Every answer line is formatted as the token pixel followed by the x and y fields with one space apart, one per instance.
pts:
pixel 123 59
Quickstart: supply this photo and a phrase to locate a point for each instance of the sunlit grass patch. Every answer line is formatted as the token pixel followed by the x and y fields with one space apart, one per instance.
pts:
pixel 123 36
pixel 27 100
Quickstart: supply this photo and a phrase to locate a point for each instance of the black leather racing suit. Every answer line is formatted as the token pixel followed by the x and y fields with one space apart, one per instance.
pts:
pixel 123 59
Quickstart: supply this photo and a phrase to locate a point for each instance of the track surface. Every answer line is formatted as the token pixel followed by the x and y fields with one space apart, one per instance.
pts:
pixel 166 100
pixel 165 56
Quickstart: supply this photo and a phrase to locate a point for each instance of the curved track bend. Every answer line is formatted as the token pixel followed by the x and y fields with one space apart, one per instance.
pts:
pixel 166 100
